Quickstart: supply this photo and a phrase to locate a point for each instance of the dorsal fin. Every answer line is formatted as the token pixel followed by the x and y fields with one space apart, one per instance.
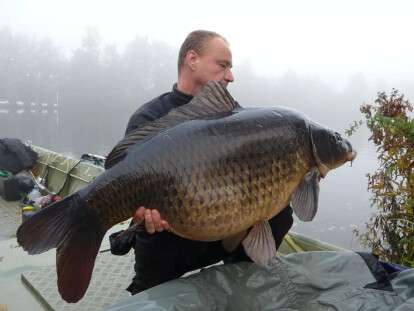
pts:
pixel 213 99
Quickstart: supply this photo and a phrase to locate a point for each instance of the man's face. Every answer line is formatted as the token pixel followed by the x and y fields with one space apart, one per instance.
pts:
pixel 215 63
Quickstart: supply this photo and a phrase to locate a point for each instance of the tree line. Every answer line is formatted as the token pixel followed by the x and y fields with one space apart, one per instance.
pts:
pixel 81 103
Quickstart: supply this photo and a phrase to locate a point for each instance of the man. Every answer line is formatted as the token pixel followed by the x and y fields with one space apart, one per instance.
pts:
pixel 160 255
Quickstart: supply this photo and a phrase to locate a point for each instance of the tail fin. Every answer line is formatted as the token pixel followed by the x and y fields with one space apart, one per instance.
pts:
pixel 76 232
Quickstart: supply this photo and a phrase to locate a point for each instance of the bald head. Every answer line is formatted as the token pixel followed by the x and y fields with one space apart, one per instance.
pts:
pixel 196 41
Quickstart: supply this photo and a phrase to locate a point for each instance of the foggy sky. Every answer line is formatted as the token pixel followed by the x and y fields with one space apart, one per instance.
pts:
pixel 328 40
pixel 325 58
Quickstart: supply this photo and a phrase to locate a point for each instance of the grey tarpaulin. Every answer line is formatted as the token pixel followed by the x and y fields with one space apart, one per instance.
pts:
pixel 301 281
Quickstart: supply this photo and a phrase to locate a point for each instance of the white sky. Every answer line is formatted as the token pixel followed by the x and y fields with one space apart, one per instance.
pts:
pixel 327 39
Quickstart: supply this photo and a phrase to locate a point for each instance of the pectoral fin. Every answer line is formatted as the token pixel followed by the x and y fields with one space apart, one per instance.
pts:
pixel 305 198
pixel 260 244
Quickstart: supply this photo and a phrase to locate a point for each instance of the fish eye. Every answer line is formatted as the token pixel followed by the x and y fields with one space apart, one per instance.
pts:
pixel 338 136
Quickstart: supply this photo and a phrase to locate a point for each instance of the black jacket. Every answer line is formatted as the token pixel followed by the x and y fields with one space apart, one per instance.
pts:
pixel 157 108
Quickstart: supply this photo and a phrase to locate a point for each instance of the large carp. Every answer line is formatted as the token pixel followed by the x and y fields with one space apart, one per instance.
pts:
pixel 211 168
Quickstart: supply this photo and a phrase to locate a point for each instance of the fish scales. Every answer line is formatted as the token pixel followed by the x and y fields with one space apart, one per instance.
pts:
pixel 215 177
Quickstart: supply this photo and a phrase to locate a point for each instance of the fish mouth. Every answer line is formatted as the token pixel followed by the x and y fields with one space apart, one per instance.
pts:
pixel 351 155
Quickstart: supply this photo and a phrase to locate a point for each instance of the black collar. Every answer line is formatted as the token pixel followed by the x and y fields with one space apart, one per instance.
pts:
pixel 179 97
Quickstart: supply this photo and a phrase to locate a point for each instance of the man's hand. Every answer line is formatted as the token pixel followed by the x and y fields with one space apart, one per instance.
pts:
pixel 152 218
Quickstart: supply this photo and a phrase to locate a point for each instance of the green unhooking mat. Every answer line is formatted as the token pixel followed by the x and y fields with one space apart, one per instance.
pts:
pixel 301 281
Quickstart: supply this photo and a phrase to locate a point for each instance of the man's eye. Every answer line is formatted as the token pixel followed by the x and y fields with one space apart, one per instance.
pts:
pixel 223 66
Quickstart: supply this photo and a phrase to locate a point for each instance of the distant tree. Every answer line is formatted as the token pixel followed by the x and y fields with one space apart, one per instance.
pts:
pixel 137 61
pixel 164 67
pixel 82 94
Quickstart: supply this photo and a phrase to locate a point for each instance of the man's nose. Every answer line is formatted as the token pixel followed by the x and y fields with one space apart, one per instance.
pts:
pixel 228 76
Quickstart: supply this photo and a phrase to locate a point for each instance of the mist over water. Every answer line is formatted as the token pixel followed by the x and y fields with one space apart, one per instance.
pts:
pixel 82 103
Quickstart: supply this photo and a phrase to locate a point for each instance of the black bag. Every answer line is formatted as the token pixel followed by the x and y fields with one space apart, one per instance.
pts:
pixel 16 156
pixel 13 188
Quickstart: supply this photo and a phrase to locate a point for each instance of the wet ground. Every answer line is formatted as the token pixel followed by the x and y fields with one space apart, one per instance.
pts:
pixel 29 282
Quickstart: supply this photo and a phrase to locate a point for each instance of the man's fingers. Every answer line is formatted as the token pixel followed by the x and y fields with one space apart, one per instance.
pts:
pixel 156 218
pixel 152 218
pixel 165 225
pixel 139 214
pixel 149 224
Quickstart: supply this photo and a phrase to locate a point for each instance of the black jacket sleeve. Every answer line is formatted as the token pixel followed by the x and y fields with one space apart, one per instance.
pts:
pixel 121 242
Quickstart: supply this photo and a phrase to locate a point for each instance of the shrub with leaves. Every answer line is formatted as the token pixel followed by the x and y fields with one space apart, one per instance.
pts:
pixel 390 232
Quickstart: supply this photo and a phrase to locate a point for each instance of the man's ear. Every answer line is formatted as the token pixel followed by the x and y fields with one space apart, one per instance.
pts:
pixel 192 59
